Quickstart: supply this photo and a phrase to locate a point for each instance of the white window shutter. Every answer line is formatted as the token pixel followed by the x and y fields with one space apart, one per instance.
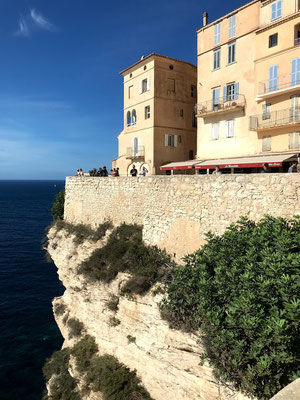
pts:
pixel 175 140
pixel 148 84
pixel 141 87
pixel 166 140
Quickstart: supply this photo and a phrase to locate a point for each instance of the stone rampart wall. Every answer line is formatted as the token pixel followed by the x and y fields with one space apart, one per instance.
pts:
pixel 176 211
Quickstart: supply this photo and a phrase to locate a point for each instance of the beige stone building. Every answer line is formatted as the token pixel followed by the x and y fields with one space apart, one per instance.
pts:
pixel 249 86
pixel 159 118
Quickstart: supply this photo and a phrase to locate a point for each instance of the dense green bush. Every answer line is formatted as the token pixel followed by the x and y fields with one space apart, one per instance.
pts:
pixel 242 290
pixel 126 252
pixel 105 374
pixel 75 327
pixel 57 209
pixel 62 385
pixel 59 308
pixel 113 303
pixel 83 232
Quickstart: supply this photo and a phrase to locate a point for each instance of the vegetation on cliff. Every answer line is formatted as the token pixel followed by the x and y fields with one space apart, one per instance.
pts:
pixel 242 290
pixel 103 374
pixel 125 251
pixel 57 209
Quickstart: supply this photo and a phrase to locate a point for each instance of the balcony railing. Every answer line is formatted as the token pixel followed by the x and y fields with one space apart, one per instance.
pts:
pixel 297 41
pixel 220 105
pixel 274 119
pixel 135 152
pixel 282 82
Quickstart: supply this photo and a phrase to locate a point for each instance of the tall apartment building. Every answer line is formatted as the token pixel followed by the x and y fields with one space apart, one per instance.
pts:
pixel 159 117
pixel 249 85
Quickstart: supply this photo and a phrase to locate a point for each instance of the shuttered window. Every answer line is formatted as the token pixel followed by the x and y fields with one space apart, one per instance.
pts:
pixel 230 128
pixel 295 77
pixel 215 131
pixel 217 35
pixel 217 59
pixel 294 140
pixel 231 53
pixel 273 78
pixel 232 26
pixel 171 140
pixel 145 85
pixel 266 143
pixel 276 9
pixel 231 91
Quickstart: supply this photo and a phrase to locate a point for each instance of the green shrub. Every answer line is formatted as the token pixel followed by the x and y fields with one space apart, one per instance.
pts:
pixel 83 232
pixel 114 380
pixel 57 209
pixel 131 339
pixel 113 303
pixel 59 308
pixel 242 289
pixel 75 327
pixel 113 321
pixel 62 385
pixel 126 252
pixel 83 352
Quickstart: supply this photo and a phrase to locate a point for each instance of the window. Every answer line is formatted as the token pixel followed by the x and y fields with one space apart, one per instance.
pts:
pixel 217 59
pixel 191 155
pixel 215 131
pixel 232 26
pixel 230 128
pixel 266 143
pixel 135 147
pixel 179 139
pixel 273 78
pixel 295 108
pixel 217 35
pixel 133 118
pixel 273 40
pixel 128 118
pixel 231 53
pixel 171 140
pixel 193 91
pixel 231 91
pixel 266 111
pixel 171 85
pixel 147 112
pixel 215 98
pixel 295 77
pixel 145 85
pixel 294 140
pixel 130 88
pixel 297 34
pixel 181 113
pixel 276 9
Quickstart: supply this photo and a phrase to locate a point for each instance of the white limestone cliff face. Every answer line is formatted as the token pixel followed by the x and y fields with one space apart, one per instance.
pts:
pixel 166 360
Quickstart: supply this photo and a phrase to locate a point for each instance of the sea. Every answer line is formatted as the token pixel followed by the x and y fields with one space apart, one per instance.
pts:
pixel 28 283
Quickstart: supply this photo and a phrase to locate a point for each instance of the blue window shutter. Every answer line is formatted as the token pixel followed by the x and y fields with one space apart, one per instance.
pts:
pixel 273 13
pixel 236 90
pixel 225 93
pixel 295 77
pixel 273 78
pixel 279 8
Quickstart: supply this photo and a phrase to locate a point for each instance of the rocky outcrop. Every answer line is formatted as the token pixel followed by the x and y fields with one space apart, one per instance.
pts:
pixel 166 360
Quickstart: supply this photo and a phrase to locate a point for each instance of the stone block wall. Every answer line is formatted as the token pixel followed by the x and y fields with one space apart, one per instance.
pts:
pixel 177 211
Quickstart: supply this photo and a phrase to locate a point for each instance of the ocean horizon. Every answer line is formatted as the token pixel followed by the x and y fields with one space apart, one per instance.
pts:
pixel 28 284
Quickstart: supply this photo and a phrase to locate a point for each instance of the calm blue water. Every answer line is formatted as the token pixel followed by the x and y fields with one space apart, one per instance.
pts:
pixel 28 333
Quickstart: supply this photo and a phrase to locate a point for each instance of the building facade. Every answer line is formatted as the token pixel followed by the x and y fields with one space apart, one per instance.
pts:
pixel 159 118
pixel 249 81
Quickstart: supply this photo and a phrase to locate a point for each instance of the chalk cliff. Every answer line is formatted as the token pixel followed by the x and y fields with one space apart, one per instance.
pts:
pixel 166 360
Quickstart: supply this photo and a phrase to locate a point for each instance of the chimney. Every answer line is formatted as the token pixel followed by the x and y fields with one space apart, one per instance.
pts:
pixel 205 19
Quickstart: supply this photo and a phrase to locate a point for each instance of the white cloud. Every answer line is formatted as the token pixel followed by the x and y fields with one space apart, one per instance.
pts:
pixel 33 21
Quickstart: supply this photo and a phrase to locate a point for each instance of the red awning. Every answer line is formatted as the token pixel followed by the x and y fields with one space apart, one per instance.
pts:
pixel 181 165
pixel 246 162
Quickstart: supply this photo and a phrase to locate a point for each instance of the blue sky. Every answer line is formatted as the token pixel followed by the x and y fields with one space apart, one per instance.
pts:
pixel 61 95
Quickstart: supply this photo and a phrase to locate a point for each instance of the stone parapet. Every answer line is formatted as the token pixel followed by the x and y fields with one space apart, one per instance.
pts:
pixel 177 211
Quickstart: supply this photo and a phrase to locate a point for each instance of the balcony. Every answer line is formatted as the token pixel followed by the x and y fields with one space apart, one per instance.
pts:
pixel 275 119
pixel 222 105
pixel 135 153
pixel 297 41
pixel 284 84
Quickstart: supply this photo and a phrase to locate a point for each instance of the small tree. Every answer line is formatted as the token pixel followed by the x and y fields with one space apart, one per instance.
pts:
pixel 57 209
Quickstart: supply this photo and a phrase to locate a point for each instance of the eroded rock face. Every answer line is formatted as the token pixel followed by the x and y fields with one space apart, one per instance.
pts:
pixel 166 360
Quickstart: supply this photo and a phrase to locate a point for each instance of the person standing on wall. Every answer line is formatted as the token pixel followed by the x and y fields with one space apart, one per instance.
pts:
pixel 293 167
pixel 133 171
pixel 104 172
pixel 217 170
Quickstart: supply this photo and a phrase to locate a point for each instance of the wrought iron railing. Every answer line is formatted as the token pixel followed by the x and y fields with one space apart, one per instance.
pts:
pixel 282 82
pixel 220 104
pixel 274 118
pixel 135 152
pixel 297 41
